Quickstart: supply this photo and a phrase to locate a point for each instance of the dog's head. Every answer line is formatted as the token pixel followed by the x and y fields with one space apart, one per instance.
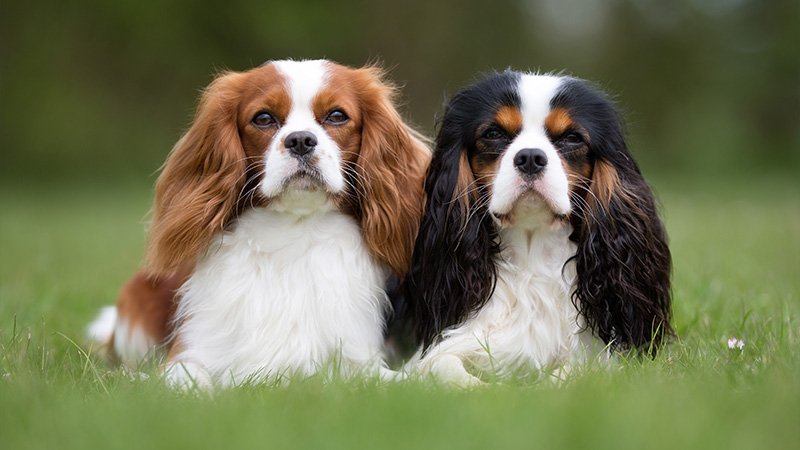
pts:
pixel 298 137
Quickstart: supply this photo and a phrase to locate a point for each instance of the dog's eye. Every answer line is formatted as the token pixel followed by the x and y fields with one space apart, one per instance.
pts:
pixel 264 119
pixel 572 139
pixel 336 117
pixel 493 134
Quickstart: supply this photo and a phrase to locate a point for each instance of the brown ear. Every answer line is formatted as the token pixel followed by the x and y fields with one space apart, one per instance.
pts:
pixel 197 192
pixel 392 162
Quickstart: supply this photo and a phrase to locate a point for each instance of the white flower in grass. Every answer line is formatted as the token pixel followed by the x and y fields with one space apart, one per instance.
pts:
pixel 734 343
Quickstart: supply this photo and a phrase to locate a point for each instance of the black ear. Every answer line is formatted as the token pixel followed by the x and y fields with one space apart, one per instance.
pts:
pixel 453 270
pixel 623 261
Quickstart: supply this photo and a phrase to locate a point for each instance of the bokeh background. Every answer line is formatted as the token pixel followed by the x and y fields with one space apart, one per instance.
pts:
pixel 94 93
pixel 97 91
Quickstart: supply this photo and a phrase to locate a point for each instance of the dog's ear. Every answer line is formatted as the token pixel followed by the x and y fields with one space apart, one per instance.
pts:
pixel 198 189
pixel 623 261
pixel 453 268
pixel 389 174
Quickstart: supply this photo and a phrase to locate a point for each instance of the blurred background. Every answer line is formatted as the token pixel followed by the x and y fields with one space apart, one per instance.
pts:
pixel 97 91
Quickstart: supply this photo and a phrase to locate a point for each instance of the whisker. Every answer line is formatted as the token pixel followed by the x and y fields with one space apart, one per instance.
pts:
pixel 249 195
pixel 361 180
pixel 467 189
pixel 478 206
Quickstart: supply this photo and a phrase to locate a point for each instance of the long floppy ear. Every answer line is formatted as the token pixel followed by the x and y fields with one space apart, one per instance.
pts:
pixel 390 171
pixel 453 269
pixel 623 260
pixel 197 192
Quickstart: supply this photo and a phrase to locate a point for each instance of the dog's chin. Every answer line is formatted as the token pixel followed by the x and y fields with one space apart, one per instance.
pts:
pixel 303 194
pixel 304 181
pixel 531 210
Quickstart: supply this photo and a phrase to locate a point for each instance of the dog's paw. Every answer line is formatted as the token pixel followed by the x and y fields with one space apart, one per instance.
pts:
pixel 187 376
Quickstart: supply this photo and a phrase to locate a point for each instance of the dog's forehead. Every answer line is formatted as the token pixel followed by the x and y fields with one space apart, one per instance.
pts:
pixel 536 93
pixel 304 79
pixel 516 101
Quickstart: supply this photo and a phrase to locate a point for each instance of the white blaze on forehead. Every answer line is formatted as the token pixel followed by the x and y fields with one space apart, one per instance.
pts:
pixel 305 79
pixel 536 92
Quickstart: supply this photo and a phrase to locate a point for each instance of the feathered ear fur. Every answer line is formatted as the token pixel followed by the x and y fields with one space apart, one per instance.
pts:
pixel 453 268
pixel 197 192
pixel 623 262
pixel 389 172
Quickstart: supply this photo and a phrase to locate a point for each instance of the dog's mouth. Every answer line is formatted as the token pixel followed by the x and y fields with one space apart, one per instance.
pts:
pixel 531 208
pixel 304 192
pixel 306 178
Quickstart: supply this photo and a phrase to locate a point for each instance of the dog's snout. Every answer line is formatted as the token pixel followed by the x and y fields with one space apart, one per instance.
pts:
pixel 300 143
pixel 530 161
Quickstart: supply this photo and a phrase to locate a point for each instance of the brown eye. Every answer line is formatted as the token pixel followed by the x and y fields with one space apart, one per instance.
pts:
pixel 264 119
pixel 572 139
pixel 336 117
pixel 493 134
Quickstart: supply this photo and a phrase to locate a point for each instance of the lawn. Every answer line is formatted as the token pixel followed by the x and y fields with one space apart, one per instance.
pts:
pixel 65 250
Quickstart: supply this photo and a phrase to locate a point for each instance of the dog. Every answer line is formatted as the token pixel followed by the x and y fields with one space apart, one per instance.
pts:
pixel 278 218
pixel 541 244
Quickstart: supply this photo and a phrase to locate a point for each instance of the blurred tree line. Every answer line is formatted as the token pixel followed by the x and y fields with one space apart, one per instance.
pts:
pixel 98 89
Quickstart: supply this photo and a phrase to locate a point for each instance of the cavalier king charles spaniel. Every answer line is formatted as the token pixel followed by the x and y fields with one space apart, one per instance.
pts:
pixel 541 245
pixel 278 218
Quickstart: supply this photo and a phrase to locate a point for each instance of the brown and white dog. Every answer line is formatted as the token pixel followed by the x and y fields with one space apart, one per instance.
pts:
pixel 278 217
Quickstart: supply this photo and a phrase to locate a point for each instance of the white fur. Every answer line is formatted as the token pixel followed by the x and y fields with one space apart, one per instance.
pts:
pixel 282 294
pixel 131 344
pixel 102 328
pixel 530 323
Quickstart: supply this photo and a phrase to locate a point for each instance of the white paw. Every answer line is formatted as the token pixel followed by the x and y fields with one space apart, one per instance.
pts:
pixel 391 375
pixel 449 368
pixel 186 376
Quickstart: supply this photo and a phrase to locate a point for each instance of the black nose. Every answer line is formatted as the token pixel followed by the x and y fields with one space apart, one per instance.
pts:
pixel 530 160
pixel 300 143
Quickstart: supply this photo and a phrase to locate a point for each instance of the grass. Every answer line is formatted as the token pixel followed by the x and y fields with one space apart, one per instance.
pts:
pixel 64 252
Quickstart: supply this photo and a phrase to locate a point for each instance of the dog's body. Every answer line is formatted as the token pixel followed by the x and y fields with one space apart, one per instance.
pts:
pixel 292 198
pixel 541 245
pixel 299 290
pixel 528 325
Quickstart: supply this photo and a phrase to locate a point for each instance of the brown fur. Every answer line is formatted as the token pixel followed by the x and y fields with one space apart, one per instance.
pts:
pixel 607 185
pixel 558 121
pixel 198 190
pixel 510 118
pixel 392 161
pixel 149 305
pixel 466 187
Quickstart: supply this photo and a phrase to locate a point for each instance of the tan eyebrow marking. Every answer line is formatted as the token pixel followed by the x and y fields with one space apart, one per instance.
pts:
pixel 558 121
pixel 510 118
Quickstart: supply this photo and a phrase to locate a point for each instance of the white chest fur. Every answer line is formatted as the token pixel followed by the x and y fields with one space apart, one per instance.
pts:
pixel 530 322
pixel 283 294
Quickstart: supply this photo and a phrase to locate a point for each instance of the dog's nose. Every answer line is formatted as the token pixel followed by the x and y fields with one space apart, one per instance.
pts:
pixel 530 161
pixel 300 143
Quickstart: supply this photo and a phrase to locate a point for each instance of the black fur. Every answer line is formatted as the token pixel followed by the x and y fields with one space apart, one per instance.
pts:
pixel 453 269
pixel 623 262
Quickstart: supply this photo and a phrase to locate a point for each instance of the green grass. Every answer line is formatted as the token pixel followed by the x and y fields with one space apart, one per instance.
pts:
pixel 64 252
